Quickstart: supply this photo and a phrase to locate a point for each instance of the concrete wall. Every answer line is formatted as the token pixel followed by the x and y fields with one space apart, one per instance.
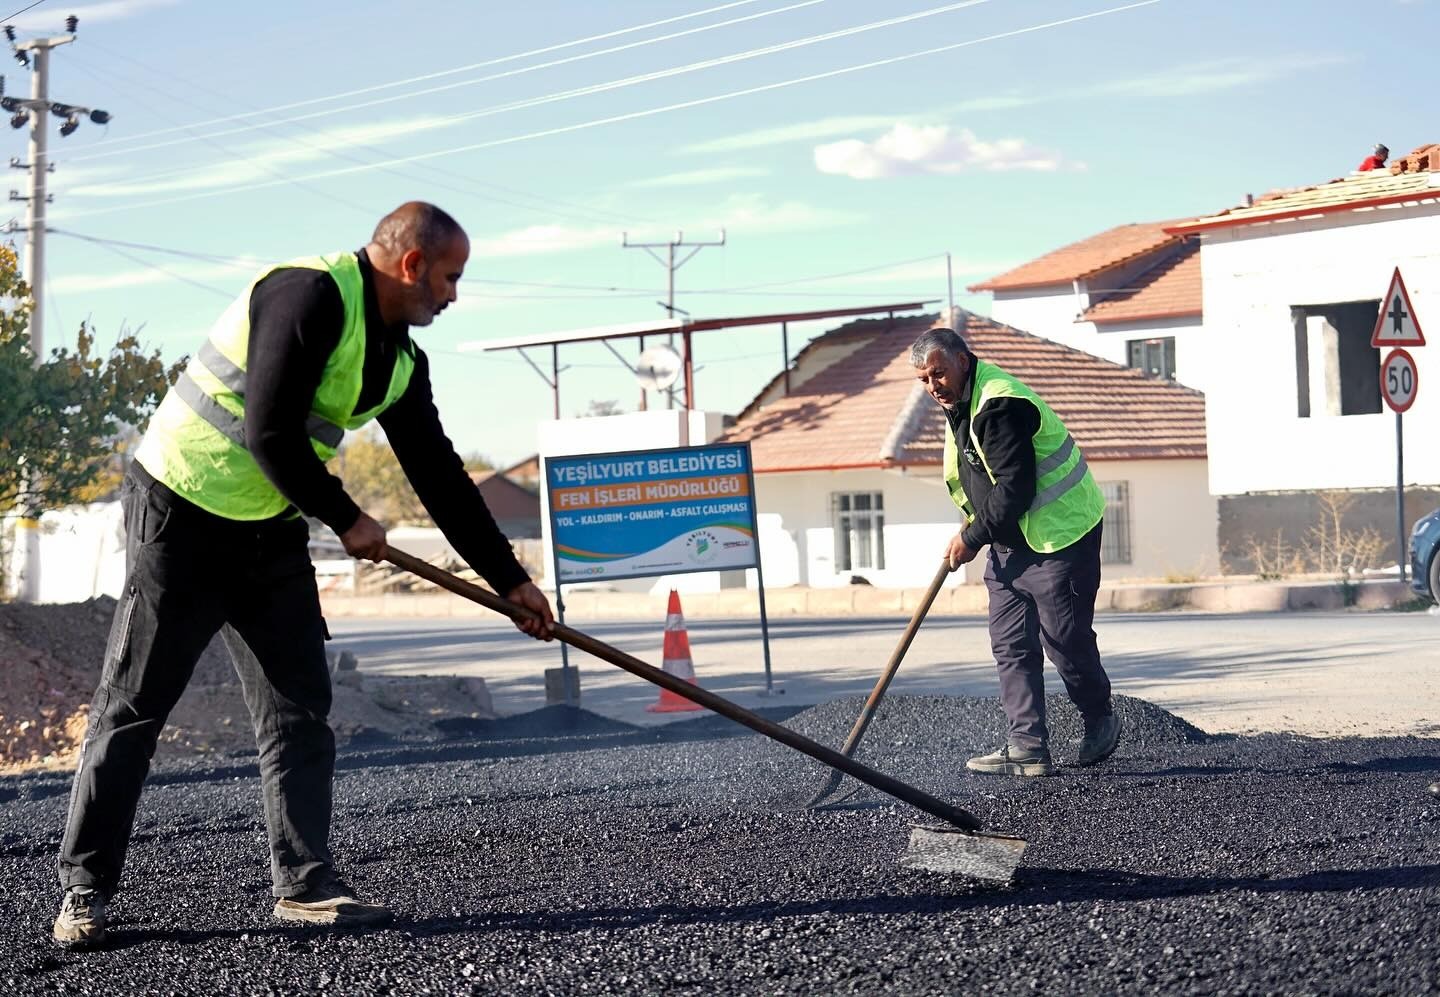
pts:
pixel 1253 277
pixel 1286 519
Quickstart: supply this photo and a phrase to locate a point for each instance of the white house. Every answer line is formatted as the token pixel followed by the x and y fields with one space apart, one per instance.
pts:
pixel 848 462
pixel 1292 286
pixel 1130 294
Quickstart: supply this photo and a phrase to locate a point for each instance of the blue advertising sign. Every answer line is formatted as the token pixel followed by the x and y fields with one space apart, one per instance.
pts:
pixel 652 512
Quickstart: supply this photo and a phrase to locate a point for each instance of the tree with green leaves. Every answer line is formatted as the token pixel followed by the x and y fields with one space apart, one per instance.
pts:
pixel 62 418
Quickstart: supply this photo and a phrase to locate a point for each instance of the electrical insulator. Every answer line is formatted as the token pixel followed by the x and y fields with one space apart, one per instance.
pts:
pixel 69 126
pixel 10 34
pixel 71 22
pixel 100 117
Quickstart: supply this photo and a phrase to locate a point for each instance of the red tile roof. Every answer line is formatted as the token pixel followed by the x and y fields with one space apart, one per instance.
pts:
pixel 1084 258
pixel 1373 189
pixel 1170 289
pixel 865 410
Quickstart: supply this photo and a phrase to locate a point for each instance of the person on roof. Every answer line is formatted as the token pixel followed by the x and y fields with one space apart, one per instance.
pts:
pixel 1024 490
pixel 1375 162
pixel 215 541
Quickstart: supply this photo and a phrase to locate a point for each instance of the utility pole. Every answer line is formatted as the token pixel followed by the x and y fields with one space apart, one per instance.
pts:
pixel 34 54
pixel 670 264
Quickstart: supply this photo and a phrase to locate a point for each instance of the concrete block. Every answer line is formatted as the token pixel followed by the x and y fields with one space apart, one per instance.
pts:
pixel 1383 594
pixel 871 601
pixel 1256 598
pixel 1323 596
pixel 836 601
pixel 1150 598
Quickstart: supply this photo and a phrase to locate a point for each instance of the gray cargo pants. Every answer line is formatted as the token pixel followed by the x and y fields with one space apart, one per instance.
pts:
pixel 1045 604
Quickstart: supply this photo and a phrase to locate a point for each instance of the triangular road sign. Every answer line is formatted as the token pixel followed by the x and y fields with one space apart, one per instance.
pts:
pixel 1397 324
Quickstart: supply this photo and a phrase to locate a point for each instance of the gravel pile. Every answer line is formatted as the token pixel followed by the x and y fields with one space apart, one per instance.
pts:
pixel 605 859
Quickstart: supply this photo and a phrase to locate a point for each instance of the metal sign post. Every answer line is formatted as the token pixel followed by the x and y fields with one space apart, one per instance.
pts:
pixel 1398 326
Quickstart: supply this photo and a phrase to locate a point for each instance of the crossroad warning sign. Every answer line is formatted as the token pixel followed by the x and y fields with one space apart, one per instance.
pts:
pixel 1397 324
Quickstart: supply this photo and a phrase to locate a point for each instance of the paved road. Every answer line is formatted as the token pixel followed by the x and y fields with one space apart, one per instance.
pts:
pixel 1322 674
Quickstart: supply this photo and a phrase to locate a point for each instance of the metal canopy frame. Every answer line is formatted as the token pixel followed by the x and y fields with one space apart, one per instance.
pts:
pixel 685 327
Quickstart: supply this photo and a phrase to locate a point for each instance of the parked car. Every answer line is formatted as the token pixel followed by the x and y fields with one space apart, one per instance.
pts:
pixel 1424 565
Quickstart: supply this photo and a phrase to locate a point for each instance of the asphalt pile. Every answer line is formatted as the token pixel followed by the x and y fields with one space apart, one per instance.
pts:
pixel 562 852
pixel 50 661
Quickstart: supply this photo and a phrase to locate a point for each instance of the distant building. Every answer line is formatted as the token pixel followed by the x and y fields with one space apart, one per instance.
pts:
pixel 1130 294
pixel 1292 285
pixel 516 508
pixel 848 462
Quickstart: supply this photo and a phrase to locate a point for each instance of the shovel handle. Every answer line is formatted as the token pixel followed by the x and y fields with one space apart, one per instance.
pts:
pixel 917 798
pixel 893 665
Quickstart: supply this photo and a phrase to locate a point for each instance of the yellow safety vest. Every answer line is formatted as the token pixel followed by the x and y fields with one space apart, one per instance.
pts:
pixel 195 444
pixel 1068 503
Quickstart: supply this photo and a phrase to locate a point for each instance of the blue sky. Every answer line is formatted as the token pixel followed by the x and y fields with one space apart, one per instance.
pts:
pixel 246 134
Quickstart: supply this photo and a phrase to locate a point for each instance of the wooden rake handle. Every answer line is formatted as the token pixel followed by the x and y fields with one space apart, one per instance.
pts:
pixel 917 798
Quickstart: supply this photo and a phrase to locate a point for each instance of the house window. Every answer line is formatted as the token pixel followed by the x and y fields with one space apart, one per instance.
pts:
pixel 859 521
pixel 1337 371
pixel 1115 538
pixel 1156 357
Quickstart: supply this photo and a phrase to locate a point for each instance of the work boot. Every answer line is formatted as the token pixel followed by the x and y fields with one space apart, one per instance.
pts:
pixel 1102 734
pixel 332 902
pixel 1013 760
pixel 81 921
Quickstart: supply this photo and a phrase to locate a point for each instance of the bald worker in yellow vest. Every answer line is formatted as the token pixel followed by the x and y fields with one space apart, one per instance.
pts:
pixel 232 461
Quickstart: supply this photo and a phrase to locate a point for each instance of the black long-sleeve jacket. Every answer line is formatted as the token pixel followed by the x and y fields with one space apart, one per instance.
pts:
pixel 296 319
pixel 1005 429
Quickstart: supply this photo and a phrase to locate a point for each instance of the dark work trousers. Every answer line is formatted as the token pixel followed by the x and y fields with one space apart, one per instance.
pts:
pixel 188 575
pixel 1046 601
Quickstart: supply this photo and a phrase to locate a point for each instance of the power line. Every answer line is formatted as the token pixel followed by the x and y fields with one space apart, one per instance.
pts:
pixel 185 253
pixel 591 214
pixel 411 95
pixel 458 69
pixel 649 112
pixel 228 295
pixel 617 84
pixel 22 10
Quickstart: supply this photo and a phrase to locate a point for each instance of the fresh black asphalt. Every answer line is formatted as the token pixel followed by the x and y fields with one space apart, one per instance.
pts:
pixel 559 852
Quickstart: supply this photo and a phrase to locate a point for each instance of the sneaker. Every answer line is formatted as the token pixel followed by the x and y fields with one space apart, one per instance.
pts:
pixel 1101 737
pixel 1011 760
pixel 332 902
pixel 81 921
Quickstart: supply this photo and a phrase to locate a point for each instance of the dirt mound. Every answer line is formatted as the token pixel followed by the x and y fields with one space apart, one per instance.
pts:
pixel 50 661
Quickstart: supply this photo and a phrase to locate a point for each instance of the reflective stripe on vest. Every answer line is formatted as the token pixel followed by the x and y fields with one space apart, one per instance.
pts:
pixel 195 444
pixel 1063 510
pixel 317 427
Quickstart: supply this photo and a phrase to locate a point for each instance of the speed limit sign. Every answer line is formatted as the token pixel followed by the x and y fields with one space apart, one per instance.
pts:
pixel 1399 381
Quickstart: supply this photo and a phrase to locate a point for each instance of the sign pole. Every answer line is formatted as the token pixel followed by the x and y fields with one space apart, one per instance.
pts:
pixel 1400 551
pixel 759 573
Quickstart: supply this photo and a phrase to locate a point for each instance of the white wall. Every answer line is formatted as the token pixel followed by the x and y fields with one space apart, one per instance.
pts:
pixel 1253 275
pixel 919 521
pixel 1048 311
pixel 1173 518
pixel 82 552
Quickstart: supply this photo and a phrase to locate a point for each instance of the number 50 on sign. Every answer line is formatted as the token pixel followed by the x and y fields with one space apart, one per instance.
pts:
pixel 1399 380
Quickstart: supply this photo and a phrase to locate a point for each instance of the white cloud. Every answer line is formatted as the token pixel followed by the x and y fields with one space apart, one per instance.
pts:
pixel 739 213
pixel 261 160
pixel 114 10
pixel 804 131
pixel 911 149
pixel 223 274
pixel 696 178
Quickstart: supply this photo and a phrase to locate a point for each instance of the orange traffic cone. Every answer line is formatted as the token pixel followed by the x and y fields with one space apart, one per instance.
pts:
pixel 676 661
